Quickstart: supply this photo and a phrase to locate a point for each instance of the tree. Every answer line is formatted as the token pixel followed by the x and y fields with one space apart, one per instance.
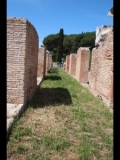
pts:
pixel 51 42
pixel 60 46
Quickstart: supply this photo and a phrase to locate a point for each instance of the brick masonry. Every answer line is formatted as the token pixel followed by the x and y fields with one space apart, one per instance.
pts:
pixel 48 62
pixel 72 64
pixel 67 63
pixel 101 72
pixel 41 62
pixel 82 64
pixel 22 60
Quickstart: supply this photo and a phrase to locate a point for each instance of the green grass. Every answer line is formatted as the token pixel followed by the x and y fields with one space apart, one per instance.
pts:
pixel 62 121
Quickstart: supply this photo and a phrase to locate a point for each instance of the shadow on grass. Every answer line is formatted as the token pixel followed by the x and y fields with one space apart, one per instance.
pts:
pixel 52 78
pixel 53 70
pixel 51 97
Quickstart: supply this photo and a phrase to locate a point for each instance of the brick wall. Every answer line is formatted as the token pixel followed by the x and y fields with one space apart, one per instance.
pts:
pixel 72 64
pixel 47 62
pixel 67 63
pixel 82 64
pixel 94 68
pixel 101 72
pixel 22 60
pixel 50 62
pixel 41 62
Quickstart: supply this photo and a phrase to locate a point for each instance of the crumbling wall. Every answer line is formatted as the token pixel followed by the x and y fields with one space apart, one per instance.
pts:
pixel 82 64
pixel 48 62
pixel 67 63
pixel 41 62
pixel 72 64
pixel 101 72
pixel 22 60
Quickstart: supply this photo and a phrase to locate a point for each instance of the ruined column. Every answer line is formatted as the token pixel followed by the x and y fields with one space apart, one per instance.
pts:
pixel 82 64
pixel 22 60
pixel 72 64
pixel 67 63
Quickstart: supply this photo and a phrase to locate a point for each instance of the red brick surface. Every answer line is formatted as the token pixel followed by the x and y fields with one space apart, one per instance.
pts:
pixel 41 62
pixel 67 63
pixel 72 64
pixel 22 60
pixel 101 72
pixel 82 64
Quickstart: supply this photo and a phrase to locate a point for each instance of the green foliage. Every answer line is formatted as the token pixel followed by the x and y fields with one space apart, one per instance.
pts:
pixel 60 45
pixel 51 42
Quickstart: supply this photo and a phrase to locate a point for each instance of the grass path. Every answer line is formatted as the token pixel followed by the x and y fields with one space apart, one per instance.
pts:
pixel 63 121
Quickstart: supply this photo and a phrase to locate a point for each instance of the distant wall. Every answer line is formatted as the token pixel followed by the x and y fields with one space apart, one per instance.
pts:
pixel 82 64
pixel 67 63
pixel 41 62
pixel 48 62
pixel 22 60
pixel 72 64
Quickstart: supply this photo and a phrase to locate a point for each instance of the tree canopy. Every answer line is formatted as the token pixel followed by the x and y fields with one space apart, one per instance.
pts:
pixel 59 45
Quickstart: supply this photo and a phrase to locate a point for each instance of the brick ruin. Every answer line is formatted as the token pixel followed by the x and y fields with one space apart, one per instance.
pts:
pixel 72 64
pixel 82 64
pixel 22 60
pixel 67 63
pixel 100 76
pixel 101 72
pixel 41 62
pixel 26 61
pixel 48 62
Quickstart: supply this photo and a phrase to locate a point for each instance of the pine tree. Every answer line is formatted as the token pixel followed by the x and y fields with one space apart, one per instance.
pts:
pixel 60 45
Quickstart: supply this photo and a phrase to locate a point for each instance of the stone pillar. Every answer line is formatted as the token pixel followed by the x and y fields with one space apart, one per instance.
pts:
pixel 47 62
pixel 67 63
pixel 41 62
pixel 94 69
pixel 22 60
pixel 72 64
pixel 82 64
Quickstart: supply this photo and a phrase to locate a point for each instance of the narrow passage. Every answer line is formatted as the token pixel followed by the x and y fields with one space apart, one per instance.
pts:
pixel 63 121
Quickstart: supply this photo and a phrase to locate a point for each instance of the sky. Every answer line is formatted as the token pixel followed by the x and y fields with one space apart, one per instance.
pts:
pixel 73 16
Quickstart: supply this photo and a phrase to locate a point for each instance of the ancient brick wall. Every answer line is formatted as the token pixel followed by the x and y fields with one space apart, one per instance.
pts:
pixel 82 64
pixel 94 68
pixel 22 60
pixel 101 72
pixel 67 63
pixel 72 64
pixel 48 62
pixel 41 62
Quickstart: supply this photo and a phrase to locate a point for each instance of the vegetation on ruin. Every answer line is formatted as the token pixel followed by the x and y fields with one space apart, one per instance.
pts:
pixel 62 121
pixel 70 43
